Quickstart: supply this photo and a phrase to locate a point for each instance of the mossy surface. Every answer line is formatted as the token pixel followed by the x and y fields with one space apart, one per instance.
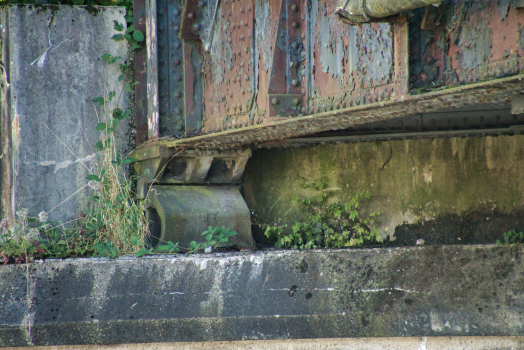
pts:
pixel 424 180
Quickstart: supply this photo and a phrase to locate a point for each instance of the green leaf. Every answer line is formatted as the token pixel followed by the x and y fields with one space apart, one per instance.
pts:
pixel 99 145
pixel 118 27
pixel 93 177
pixel 107 57
pixel 129 160
pixel 99 100
pixel 213 242
pixel 127 114
pixel 118 37
pixel 111 95
pixel 77 2
pixel 130 29
pixel 138 36
pixel 133 47
pixel 129 18
pixel 120 77
pixel 233 233
pixel 101 126
pixel 163 248
pixel 223 239
pixel 193 245
pixel 209 237
pixel 141 252
pixel 118 114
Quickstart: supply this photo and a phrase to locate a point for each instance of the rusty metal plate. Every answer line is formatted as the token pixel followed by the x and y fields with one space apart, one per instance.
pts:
pixel 228 68
pixel 463 42
pixel 354 64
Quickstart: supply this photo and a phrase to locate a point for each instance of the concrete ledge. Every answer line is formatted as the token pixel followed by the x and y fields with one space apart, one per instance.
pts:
pixel 399 292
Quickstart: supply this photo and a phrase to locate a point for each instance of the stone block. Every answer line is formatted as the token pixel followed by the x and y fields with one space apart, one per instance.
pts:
pixel 396 292
pixel 51 70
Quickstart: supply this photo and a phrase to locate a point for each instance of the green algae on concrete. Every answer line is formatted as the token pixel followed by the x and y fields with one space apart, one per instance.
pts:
pixel 411 181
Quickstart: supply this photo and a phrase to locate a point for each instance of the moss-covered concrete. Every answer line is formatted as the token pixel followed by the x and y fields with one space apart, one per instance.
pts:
pixel 411 181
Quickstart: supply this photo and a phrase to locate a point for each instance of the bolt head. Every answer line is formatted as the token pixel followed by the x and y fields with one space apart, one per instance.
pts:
pixel 274 101
pixel 178 94
pixel 294 24
pixel 176 12
pixel 246 77
pixel 196 26
pixel 294 46
pixel 190 15
pixel 177 62
pixel 294 82
pixel 296 101
pixel 294 8
pixel 178 78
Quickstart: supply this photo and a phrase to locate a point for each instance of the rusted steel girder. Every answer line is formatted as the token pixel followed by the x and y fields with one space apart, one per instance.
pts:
pixel 500 91
pixel 253 65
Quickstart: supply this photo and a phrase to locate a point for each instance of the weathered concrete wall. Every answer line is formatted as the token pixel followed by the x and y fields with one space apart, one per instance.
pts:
pixel 395 292
pixel 424 343
pixel 458 185
pixel 51 71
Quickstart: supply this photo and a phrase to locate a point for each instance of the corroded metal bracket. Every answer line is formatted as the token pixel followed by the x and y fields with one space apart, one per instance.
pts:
pixel 285 105
pixel 167 166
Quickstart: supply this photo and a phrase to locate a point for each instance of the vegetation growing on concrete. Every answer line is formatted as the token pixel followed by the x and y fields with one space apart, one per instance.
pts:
pixel 327 224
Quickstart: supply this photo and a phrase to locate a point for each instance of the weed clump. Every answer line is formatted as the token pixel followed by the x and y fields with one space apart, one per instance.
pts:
pixel 327 225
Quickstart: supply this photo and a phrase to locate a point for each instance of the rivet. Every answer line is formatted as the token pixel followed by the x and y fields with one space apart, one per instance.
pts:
pixel 176 28
pixel 249 8
pixel 190 15
pixel 176 62
pixel 245 49
pixel 294 8
pixel 178 78
pixel 242 91
pixel 229 40
pixel 296 101
pixel 245 24
pixel 241 10
pixel 196 26
pixel 241 38
pixel 246 77
pixel 294 46
pixel 162 111
pixel 201 3
pixel 274 101
pixel 231 94
pixel 229 13
pixel 294 82
pixel 178 111
pixel 239 24
pixel 176 12
pixel 294 24
pixel 178 94
pixel 177 45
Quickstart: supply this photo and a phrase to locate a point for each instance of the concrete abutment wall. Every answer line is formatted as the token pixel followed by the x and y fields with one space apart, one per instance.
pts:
pixel 459 190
